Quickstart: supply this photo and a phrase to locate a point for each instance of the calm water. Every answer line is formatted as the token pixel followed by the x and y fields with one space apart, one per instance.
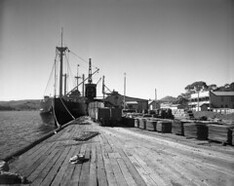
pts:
pixel 20 128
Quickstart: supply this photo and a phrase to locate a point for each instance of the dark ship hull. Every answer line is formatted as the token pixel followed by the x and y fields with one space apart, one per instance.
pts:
pixel 67 110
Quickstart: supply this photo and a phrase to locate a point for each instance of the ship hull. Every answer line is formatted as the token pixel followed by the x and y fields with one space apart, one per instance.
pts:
pixel 67 110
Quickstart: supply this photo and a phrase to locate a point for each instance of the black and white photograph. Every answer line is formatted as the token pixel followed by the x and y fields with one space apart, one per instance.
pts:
pixel 117 92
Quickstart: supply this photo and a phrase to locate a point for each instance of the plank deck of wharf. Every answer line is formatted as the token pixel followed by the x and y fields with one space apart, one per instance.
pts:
pixel 119 156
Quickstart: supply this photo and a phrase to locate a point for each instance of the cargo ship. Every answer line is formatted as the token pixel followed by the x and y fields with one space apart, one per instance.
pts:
pixel 68 106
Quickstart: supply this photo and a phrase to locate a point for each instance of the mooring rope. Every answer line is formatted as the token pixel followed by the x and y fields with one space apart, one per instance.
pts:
pixel 67 109
pixel 55 117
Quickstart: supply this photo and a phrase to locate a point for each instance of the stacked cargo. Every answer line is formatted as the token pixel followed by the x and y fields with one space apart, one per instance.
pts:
pixel 196 130
pixel 128 122
pixel 116 115
pixel 178 127
pixel 182 114
pixel 105 115
pixel 136 122
pixel 142 123
pixel 201 130
pixel 93 109
pixel 220 133
pixel 151 125
pixel 164 126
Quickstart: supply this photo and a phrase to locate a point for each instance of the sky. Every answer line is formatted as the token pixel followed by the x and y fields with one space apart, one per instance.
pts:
pixel 159 44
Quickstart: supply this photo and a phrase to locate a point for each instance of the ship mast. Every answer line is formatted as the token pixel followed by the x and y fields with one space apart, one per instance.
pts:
pixel 90 72
pixel 77 78
pixel 65 83
pixel 61 51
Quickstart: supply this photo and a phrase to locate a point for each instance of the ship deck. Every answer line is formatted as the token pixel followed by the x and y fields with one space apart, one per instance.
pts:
pixel 125 156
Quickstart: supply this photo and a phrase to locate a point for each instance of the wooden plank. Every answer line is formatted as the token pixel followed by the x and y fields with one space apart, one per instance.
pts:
pixel 161 167
pixel 126 173
pixel 65 172
pixel 93 170
pixel 108 168
pixel 76 175
pixel 85 172
pixel 78 167
pixel 63 177
pixel 53 172
pixel 132 169
pixel 37 173
pixel 159 175
pixel 64 158
pixel 38 177
pixel 30 167
pixel 27 160
pixel 140 168
pixel 101 175
pixel 117 172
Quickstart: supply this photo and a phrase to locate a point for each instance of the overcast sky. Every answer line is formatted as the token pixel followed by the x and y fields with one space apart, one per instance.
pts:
pixel 162 44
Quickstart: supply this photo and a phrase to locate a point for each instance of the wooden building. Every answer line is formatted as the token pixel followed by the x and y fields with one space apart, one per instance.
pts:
pixel 118 100
pixel 208 100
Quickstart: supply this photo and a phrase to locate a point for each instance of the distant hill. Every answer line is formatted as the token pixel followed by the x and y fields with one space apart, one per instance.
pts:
pixel 20 105
pixel 168 99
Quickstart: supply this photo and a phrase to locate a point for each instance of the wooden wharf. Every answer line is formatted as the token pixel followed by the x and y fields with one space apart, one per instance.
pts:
pixel 124 156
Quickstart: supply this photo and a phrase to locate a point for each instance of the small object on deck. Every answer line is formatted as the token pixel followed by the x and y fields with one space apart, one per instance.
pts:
pixel 79 158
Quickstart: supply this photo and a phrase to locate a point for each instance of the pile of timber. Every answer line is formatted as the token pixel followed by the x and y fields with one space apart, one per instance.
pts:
pixel 220 133
pixel 105 115
pixel 142 123
pixel 136 122
pixel 128 122
pixel 164 126
pixel 182 114
pixel 178 127
pixel 201 130
pixel 196 130
pixel 151 125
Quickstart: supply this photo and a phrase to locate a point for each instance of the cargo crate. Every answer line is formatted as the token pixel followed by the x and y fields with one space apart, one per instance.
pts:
pixel 196 130
pixel 136 122
pixel 178 127
pixel 151 125
pixel 128 122
pixel 220 133
pixel 164 126
pixel 142 123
